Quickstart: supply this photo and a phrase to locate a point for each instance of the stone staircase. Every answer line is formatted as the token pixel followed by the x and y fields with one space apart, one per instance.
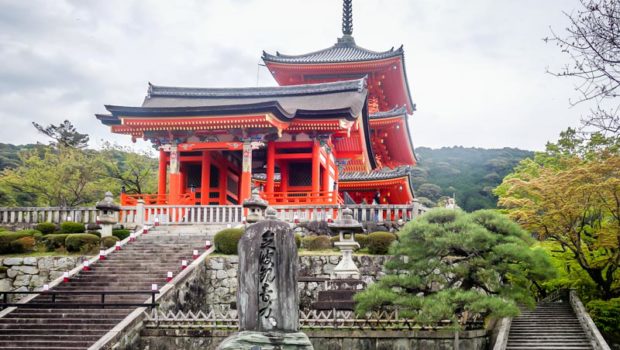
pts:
pixel 551 325
pixel 134 268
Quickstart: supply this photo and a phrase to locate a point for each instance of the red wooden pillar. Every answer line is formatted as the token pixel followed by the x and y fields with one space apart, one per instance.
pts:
pixel 245 184
pixel 284 177
pixel 205 178
pixel 325 187
pixel 175 177
pixel 161 186
pixel 223 184
pixel 271 167
pixel 316 168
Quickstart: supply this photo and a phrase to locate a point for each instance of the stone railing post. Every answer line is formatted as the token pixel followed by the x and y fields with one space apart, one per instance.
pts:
pixel 140 217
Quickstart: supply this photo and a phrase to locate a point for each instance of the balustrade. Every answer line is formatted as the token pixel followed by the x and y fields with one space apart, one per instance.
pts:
pixel 202 214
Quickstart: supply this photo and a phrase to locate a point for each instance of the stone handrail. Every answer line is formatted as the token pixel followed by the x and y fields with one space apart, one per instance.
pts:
pixel 595 337
pixel 141 214
pixel 34 215
pixel 501 341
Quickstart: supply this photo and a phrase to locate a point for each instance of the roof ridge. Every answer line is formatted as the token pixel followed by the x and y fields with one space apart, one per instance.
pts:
pixel 320 88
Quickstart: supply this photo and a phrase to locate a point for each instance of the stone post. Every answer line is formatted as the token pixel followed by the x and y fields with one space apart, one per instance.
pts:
pixel 140 217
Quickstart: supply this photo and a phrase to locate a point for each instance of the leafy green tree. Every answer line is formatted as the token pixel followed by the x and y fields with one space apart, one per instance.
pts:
pixel 570 195
pixel 135 171
pixel 61 176
pixel 450 265
pixel 63 134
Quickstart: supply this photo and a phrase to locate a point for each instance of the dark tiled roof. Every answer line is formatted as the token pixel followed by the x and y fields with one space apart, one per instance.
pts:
pixel 391 113
pixel 381 174
pixel 251 92
pixel 345 50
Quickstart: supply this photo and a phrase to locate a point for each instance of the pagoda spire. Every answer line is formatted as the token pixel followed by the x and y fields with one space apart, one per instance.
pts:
pixel 347 17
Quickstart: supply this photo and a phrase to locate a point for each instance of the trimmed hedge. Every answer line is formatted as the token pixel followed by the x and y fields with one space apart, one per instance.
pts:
pixel 334 239
pixel 121 234
pixel 72 227
pixel 55 241
pixel 379 242
pixel 362 239
pixel 23 245
pixel 7 237
pixel 82 242
pixel 316 242
pixel 109 242
pixel 226 241
pixel 46 228
pixel 298 240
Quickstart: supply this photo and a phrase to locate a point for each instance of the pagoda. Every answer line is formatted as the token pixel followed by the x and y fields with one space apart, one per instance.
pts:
pixel 334 130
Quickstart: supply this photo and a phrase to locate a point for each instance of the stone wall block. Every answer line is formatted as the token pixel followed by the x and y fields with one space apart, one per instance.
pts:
pixel 26 269
pixel 13 261
pixel 32 261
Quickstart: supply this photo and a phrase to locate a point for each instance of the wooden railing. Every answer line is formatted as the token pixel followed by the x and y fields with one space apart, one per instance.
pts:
pixel 312 319
pixel 361 212
pixel 293 198
pixel 156 199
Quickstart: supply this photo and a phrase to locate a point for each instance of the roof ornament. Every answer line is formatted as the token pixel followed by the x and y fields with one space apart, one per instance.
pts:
pixel 347 17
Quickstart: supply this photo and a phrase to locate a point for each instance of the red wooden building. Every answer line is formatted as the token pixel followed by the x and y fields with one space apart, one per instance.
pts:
pixel 336 129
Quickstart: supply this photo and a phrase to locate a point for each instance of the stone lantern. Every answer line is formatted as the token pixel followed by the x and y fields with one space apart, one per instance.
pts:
pixel 256 207
pixel 346 227
pixel 107 217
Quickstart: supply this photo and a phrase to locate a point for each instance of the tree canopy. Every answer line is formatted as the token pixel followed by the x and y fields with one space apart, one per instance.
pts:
pixel 63 134
pixel 450 265
pixel 570 194
pixel 469 174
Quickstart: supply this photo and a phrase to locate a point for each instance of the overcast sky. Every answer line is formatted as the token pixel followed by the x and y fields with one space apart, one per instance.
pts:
pixel 476 68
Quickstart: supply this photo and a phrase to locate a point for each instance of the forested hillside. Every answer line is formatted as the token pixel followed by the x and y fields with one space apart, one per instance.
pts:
pixel 470 174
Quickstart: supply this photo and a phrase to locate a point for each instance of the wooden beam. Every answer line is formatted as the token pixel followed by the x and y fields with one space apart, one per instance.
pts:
pixel 294 156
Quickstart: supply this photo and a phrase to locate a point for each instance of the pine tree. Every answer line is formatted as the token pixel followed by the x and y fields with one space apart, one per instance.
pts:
pixel 452 266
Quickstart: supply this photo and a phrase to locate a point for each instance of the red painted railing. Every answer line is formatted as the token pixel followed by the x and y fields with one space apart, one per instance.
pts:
pixel 155 199
pixel 293 198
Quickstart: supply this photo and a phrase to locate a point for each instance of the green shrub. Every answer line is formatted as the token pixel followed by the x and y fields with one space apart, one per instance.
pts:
pixel 54 241
pixel 6 237
pixel 46 228
pixel 96 233
pixel 23 245
pixel 298 240
pixel 316 242
pixel 72 227
pixel 334 239
pixel 82 242
pixel 109 242
pixel 362 239
pixel 606 313
pixel 379 242
pixel 226 241
pixel 121 234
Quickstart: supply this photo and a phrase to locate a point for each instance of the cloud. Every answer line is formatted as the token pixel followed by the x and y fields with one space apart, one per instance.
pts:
pixel 476 68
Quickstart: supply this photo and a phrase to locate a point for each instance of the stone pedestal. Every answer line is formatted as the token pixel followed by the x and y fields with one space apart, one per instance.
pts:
pixel 249 340
pixel 346 268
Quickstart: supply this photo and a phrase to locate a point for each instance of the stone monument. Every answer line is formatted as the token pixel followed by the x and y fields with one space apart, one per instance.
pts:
pixel 267 299
pixel 107 217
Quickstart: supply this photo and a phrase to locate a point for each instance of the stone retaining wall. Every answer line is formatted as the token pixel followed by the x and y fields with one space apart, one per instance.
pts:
pixel 221 277
pixel 197 339
pixel 31 273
